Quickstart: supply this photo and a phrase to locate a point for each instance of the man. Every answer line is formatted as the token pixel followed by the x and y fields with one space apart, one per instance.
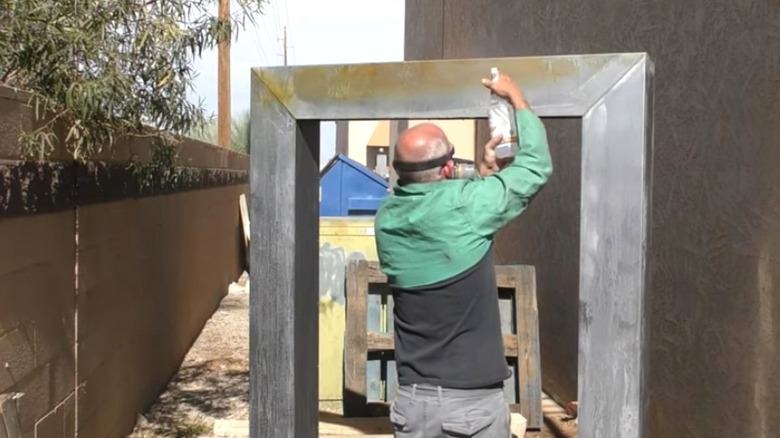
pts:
pixel 434 237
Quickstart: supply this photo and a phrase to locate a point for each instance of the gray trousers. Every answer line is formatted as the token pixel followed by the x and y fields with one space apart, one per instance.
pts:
pixel 434 412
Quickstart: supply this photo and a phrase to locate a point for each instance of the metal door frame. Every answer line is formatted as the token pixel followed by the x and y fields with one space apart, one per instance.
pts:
pixel 612 93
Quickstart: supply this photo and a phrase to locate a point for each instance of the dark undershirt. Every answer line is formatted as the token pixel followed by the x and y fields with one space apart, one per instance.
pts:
pixel 449 334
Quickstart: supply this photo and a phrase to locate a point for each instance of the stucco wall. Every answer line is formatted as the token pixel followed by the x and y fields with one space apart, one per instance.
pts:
pixel 37 318
pixel 716 196
pixel 103 287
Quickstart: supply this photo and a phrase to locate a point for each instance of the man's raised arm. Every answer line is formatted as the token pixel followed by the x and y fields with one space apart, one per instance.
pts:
pixel 493 201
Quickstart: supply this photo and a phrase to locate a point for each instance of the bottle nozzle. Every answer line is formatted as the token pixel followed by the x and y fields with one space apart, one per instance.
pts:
pixel 494 74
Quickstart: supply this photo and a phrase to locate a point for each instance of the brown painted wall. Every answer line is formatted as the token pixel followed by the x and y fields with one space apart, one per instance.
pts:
pixel 37 318
pixel 151 271
pixel 716 196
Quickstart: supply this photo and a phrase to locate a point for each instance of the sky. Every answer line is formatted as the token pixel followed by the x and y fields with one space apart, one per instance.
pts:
pixel 318 32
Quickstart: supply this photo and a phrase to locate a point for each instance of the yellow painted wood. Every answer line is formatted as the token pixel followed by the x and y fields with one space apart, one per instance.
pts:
pixel 331 349
pixel 351 235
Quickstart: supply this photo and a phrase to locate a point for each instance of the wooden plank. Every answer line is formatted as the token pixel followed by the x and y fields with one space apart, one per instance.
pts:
pixel 392 381
pixel 517 425
pixel 518 325
pixel 355 339
pixel 506 276
pixel 377 341
pixel 375 274
pixel 529 380
pixel 390 310
pixel 374 366
pixel 510 385
pixel 392 372
pixel 244 218
pixel 506 313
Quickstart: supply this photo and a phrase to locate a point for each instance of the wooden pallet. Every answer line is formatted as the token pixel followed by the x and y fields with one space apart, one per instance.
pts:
pixel 521 345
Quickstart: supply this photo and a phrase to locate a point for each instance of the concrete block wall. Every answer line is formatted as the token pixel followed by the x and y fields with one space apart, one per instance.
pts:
pixel 102 291
pixel 37 320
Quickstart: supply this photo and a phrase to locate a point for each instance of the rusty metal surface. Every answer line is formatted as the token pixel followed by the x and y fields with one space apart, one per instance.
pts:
pixel 610 92
pixel 716 197
pixel 558 86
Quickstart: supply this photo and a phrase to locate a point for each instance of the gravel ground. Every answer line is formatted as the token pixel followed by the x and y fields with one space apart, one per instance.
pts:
pixel 213 381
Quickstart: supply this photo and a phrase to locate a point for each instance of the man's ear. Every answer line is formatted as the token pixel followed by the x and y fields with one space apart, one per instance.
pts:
pixel 448 170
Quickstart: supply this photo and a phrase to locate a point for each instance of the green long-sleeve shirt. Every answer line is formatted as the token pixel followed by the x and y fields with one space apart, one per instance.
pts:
pixel 430 232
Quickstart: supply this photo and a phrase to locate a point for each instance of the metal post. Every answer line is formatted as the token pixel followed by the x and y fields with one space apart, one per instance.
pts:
pixel 284 265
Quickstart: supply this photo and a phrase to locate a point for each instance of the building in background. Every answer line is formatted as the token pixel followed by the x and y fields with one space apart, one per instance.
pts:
pixel 369 141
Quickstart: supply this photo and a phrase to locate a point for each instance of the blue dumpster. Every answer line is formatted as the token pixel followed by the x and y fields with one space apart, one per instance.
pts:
pixel 348 188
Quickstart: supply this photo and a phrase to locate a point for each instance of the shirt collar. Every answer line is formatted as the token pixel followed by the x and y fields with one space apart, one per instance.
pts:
pixel 421 188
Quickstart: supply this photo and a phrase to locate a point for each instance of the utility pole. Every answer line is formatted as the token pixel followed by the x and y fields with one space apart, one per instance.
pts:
pixel 285 45
pixel 223 81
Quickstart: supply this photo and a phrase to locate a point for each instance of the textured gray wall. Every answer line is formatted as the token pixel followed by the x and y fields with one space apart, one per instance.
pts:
pixel 716 206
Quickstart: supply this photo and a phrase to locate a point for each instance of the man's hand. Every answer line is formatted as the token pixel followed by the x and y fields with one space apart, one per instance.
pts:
pixel 490 164
pixel 507 88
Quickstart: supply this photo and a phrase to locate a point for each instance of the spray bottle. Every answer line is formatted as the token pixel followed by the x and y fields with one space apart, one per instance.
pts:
pixel 500 118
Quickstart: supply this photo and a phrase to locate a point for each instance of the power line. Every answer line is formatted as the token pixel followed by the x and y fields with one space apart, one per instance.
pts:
pixel 271 17
pixel 285 33
pixel 259 42
pixel 278 23
pixel 266 26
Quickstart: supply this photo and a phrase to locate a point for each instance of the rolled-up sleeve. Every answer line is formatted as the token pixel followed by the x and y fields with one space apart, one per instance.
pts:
pixel 492 202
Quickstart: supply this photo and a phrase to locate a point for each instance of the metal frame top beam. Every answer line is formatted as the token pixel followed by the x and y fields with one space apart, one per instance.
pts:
pixel 558 86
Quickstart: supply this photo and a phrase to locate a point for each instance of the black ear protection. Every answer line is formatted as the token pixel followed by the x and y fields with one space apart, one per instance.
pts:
pixel 463 168
pixel 404 166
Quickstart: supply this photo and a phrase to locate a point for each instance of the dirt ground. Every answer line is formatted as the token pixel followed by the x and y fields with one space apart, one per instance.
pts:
pixel 213 381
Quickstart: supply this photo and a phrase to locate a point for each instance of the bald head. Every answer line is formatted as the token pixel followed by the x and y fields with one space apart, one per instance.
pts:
pixel 419 143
